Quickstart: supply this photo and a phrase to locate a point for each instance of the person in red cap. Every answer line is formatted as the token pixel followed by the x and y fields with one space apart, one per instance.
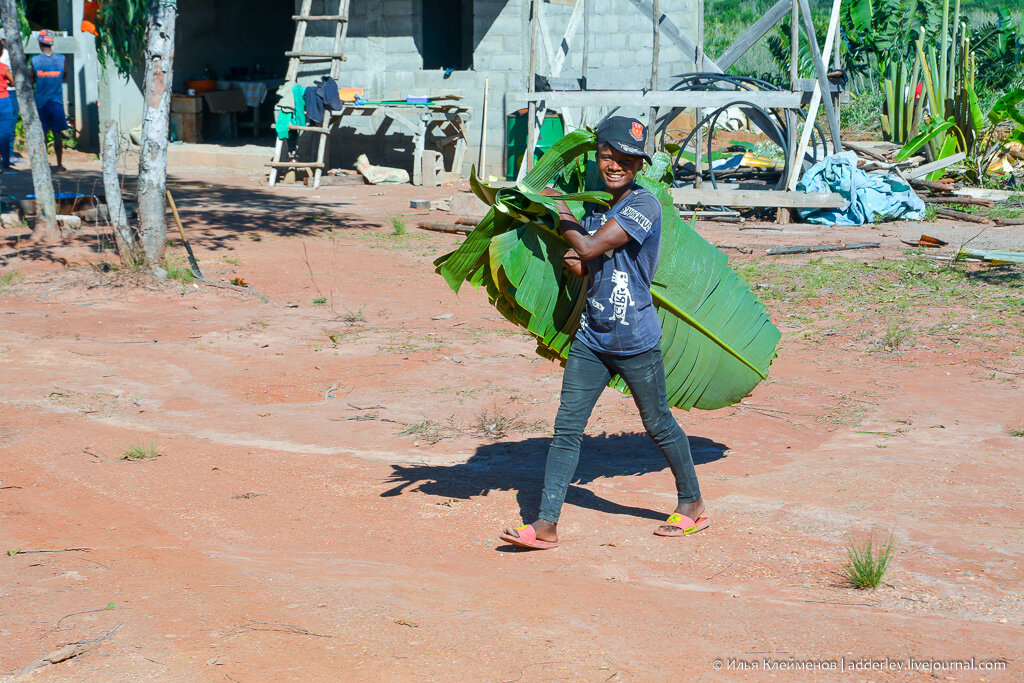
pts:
pixel 616 249
pixel 49 75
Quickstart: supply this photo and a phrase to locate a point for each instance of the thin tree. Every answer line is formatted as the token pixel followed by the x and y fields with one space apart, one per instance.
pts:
pixel 155 128
pixel 130 30
pixel 45 228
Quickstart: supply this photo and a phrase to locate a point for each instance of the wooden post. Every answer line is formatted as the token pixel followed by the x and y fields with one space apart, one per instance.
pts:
pixel 698 180
pixel 837 64
pixel 655 54
pixel 795 165
pixel 817 95
pixel 531 86
pixel 819 67
pixel 586 51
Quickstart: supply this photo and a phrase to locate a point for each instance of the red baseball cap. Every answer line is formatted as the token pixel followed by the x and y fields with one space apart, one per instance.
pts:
pixel 46 37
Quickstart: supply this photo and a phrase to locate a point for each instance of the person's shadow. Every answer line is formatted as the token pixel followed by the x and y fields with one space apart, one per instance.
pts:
pixel 519 466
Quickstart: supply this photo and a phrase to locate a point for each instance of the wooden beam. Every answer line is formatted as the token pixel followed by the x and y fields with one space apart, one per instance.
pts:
pixel 819 65
pixel 766 198
pixel 936 165
pixel 655 54
pixel 672 32
pixel 753 34
pixel 709 99
pixel 816 96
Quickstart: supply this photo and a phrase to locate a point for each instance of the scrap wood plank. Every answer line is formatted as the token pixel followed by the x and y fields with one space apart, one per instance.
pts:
pixel 814 248
pixel 765 198
pixel 996 256
pixel 936 165
pixel 962 216
pixel 753 34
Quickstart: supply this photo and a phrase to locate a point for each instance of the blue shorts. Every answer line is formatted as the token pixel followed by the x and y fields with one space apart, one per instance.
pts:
pixel 53 117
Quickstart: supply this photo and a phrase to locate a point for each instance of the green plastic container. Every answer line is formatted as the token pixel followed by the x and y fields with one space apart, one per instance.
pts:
pixel 516 131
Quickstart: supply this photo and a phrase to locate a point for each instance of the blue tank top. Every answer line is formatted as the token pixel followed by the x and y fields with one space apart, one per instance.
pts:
pixel 49 78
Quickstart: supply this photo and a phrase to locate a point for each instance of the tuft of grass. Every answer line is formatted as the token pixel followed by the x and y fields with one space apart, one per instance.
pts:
pixel 398 226
pixel 232 261
pixel 865 567
pixel 1014 431
pixel 8 278
pixel 319 301
pixel 354 317
pixel 898 335
pixel 176 271
pixel 140 452
pixel 427 431
pixel 495 425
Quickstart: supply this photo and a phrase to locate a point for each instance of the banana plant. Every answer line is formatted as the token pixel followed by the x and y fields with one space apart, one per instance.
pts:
pixel 717 339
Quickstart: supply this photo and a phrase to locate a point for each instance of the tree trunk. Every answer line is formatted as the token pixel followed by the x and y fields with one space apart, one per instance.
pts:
pixel 127 246
pixel 45 228
pixel 155 125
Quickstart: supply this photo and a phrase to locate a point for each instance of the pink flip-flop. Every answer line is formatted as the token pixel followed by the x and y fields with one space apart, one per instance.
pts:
pixel 682 525
pixel 528 539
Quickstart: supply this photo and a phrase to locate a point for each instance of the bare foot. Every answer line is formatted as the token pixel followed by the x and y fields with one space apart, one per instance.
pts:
pixel 546 531
pixel 692 510
pixel 60 169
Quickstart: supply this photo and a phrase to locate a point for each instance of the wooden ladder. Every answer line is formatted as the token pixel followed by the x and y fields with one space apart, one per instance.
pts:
pixel 297 56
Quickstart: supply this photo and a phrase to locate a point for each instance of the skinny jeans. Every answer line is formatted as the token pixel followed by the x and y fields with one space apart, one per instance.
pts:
pixel 587 373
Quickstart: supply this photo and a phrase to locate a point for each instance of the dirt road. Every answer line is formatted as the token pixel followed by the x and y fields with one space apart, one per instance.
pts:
pixel 336 461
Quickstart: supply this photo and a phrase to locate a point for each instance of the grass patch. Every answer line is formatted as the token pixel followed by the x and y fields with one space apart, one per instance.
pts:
pixel 175 270
pixel 866 567
pixel 353 317
pixel 140 452
pixel 898 335
pixel 231 261
pixel 495 425
pixel 426 431
pixel 398 226
pixel 9 278
pixel 1014 431
pixel 844 294
pixel 319 300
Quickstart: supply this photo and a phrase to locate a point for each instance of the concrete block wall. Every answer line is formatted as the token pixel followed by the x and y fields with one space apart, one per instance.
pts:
pixel 384 58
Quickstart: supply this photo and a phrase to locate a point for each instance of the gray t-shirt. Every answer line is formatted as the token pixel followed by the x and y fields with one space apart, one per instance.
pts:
pixel 620 318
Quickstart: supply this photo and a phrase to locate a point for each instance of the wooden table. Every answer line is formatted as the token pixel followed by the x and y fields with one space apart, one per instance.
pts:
pixel 419 119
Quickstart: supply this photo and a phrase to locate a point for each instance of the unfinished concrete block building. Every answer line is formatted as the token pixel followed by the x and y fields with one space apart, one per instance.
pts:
pixel 402 48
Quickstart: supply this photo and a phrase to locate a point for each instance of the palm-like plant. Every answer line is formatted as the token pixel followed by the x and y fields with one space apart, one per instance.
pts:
pixel 717 339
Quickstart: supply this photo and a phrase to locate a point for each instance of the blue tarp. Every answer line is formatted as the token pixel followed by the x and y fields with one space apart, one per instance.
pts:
pixel 870 197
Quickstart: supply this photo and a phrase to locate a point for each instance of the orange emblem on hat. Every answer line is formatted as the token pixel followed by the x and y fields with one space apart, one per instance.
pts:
pixel 637 131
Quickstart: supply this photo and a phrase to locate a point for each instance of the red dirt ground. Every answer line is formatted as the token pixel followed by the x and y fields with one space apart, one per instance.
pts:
pixel 333 477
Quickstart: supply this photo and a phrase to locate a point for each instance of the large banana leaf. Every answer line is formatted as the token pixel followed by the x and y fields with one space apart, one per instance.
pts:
pixel 717 339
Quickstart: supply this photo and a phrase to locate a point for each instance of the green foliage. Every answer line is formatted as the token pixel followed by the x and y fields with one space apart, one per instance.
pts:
pixel 8 278
pixel 865 567
pixel 140 452
pixel 717 340
pixel 999 46
pixel 176 270
pixel 903 109
pixel 864 112
pixel 398 227
pixel 121 25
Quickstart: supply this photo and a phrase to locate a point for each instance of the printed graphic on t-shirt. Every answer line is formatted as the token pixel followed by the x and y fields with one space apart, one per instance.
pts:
pixel 634 215
pixel 621 298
